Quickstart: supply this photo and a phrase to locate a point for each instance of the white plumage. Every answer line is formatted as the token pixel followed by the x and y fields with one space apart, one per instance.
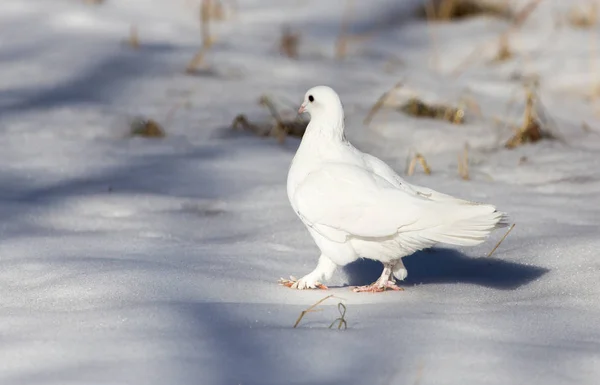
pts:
pixel 355 206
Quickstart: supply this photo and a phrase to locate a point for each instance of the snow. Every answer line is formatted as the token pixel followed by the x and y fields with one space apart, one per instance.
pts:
pixel 139 261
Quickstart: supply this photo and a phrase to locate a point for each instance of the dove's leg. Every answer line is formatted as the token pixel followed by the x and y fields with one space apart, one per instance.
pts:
pixel 323 271
pixel 385 282
pixel 399 271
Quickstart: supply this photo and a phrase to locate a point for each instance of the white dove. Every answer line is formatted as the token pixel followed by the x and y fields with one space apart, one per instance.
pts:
pixel 355 206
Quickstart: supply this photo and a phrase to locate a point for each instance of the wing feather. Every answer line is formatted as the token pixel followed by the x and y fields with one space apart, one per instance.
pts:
pixel 353 200
pixel 342 201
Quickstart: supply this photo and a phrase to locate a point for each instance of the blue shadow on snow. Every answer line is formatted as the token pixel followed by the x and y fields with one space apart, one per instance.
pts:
pixel 440 265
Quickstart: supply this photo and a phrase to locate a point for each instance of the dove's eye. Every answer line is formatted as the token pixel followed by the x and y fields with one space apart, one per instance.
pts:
pixel 311 98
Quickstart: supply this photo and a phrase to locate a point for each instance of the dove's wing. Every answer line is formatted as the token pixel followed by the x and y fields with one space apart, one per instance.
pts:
pixel 380 168
pixel 341 201
pixel 353 200
pixel 386 172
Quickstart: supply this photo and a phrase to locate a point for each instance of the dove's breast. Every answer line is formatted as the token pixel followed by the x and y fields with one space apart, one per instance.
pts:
pixel 342 248
pixel 299 170
pixel 309 157
pixel 314 152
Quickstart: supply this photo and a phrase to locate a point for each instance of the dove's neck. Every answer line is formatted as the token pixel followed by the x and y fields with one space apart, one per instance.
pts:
pixel 321 142
pixel 330 126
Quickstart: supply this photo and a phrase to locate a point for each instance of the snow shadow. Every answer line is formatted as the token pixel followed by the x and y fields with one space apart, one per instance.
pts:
pixel 365 18
pixel 210 343
pixel 176 176
pixel 156 173
pixel 251 346
pixel 99 83
pixel 440 265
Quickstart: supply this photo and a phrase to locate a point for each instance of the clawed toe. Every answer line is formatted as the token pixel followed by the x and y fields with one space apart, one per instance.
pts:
pixel 288 282
pixel 377 287
pixel 300 284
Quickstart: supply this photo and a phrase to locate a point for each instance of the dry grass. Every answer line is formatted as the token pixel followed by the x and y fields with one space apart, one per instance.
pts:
pixel 146 128
pixel 380 103
pixel 341 45
pixel 262 129
pixel 450 10
pixel 412 165
pixel 431 14
pixel 195 65
pixel 205 17
pixel 501 240
pixel 588 129
pixel 594 69
pixel 278 127
pixel 283 128
pixel 504 52
pixel 345 38
pixel 312 309
pixel 531 130
pixel 216 10
pixel 420 109
pixel 134 38
pixel 583 17
pixel 289 43
pixel 209 10
pixel 341 320
pixel 517 22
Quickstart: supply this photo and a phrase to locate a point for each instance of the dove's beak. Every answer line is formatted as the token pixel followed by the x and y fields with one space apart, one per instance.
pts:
pixel 302 108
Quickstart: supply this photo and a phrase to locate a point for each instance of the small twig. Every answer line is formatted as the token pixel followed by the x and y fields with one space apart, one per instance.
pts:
pixel 445 9
pixel 134 39
pixel 501 240
pixel 504 52
pixel 379 103
pixel 431 15
pixel 288 43
pixel 282 128
pixel 207 40
pixel 311 309
pixel 531 130
pixel 583 17
pixel 341 319
pixel 518 22
pixel 424 164
pixel 594 61
pixel 205 11
pixel 341 46
pixel 196 61
pixel 266 101
pixel 418 158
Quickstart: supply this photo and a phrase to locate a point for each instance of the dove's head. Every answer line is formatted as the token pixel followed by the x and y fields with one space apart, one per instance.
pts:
pixel 324 105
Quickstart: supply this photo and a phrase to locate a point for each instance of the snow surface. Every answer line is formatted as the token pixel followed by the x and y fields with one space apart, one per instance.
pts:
pixel 139 261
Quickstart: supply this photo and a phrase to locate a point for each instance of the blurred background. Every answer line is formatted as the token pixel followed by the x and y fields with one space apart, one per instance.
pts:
pixel 144 222
pixel 503 72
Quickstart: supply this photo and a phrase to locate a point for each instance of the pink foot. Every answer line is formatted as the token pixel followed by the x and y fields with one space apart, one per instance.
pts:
pixel 294 283
pixel 377 287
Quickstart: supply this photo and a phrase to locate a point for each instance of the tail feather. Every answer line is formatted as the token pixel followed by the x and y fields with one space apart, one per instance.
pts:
pixel 504 220
pixel 474 225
